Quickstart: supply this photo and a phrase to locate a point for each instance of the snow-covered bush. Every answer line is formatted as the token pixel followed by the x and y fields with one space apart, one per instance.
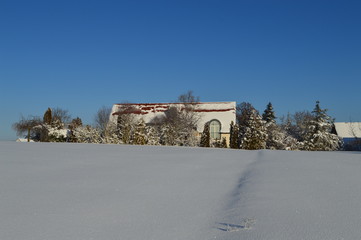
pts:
pixel 87 134
pixel 110 134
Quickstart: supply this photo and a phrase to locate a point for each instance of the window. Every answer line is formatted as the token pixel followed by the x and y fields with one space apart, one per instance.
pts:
pixel 215 129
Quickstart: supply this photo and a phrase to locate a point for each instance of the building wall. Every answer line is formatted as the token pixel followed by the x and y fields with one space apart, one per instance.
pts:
pixel 224 112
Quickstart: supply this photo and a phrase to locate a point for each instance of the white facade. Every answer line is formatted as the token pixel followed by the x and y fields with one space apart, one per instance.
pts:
pixel 222 112
pixel 350 132
pixel 348 129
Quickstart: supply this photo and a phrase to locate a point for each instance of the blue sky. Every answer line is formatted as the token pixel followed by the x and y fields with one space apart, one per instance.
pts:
pixel 81 55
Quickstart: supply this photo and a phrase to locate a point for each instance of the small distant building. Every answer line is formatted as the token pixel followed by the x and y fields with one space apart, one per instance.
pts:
pixel 350 133
pixel 219 115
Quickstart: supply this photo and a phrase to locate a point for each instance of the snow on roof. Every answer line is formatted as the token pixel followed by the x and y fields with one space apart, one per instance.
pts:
pixel 348 129
pixel 146 108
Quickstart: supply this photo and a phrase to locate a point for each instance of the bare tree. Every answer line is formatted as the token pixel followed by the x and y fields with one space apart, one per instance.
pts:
pixel 301 120
pixel 29 126
pixel 244 111
pixel 355 144
pixel 188 98
pixel 61 115
pixel 101 118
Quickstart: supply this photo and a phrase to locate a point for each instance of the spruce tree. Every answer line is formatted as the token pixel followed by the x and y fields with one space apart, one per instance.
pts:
pixel 205 138
pixel 275 136
pixel 318 136
pixel 234 135
pixel 269 115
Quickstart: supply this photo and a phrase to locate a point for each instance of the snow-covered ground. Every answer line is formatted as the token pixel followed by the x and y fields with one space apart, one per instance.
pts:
pixel 80 191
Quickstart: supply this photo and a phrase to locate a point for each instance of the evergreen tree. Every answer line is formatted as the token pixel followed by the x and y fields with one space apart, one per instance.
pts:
pixel 269 115
pixel 254 136
pixel 234 135
pixel 47 119
pixel 205 138
pixel 318 136
pixel 275 135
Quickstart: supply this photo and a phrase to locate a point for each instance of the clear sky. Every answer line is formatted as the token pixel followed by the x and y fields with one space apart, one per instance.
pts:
pixel 81 55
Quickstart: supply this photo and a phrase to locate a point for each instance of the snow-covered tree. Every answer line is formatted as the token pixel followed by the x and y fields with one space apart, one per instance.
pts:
pixel 275 137
pixel 243 113
pixel 55 132
pixel 58 134
pixel 75 123
pixel 291 143
pixel 126 127
pixel 110 134
pixel 318 136
pixel 152 135
pixel 193 140
pixel 140 137
pixel 168 135
pixel 178 125
pixel 254 134
pixel 269 115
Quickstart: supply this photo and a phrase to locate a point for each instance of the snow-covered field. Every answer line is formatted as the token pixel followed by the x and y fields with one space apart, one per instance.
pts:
pixel 79 191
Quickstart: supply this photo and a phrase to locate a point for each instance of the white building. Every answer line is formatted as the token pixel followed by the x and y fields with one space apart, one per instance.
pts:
pixel 218 114
pixel 350 132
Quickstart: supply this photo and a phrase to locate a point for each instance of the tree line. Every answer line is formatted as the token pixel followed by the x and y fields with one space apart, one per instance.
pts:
pixel 311 131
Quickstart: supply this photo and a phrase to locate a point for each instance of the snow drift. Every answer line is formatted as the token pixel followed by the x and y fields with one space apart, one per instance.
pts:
pixel 85 191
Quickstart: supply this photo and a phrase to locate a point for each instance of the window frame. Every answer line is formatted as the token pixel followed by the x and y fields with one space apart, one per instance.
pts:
pixel 213 134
